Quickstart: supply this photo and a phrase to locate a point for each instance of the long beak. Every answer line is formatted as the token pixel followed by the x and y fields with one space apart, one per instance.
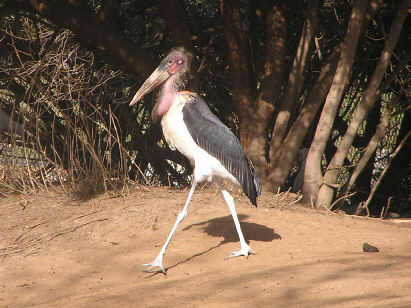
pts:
pixel 156 78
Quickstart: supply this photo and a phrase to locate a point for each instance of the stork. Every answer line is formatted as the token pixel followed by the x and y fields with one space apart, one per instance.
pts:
pixel 190 127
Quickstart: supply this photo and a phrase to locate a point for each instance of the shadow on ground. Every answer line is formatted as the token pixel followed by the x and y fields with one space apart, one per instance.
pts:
pixel 224 227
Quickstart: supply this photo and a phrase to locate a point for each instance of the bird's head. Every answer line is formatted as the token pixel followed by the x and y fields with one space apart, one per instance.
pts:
pixel 177 63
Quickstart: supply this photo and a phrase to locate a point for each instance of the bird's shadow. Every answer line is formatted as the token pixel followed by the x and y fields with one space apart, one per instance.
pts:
pixel 224 227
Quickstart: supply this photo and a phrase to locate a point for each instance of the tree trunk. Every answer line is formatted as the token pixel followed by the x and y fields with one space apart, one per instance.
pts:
pixel 313 175
pixel 286 154
pixel 369 151
pixel 295 79
pixel 364 179
pixel 238 60
pixel 397 169
pixel 388 168
pixel 289 149
pixel 326 192
pixel 273 76
pixel 357 175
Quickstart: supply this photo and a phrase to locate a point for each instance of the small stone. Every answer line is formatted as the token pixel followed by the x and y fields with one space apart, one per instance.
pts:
pixel 369 248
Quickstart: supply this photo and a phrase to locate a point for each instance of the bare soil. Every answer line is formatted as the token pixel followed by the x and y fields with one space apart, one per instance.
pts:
pixel 61 250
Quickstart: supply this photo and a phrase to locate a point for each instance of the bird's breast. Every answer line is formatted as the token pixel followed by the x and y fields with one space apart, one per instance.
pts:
pixel 175 130
pixel 177 135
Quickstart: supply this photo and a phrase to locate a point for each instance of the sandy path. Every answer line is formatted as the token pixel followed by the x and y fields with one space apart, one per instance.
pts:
pixel 65 252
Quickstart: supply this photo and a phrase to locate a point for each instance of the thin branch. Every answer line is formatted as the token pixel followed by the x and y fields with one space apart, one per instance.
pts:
pixel 377 183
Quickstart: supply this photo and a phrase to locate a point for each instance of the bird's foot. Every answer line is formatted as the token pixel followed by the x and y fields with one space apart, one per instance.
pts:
pixel 244 251
pixel 157 263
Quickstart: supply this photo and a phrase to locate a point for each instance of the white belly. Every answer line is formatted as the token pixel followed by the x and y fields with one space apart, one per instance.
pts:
pixel 176 133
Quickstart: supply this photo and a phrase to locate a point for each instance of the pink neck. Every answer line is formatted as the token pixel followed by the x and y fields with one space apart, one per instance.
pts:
pixel 166 98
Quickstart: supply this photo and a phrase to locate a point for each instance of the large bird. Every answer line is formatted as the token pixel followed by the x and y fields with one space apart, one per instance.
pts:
pixel 190 127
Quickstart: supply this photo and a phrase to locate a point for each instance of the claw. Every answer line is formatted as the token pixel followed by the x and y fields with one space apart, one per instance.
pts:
pixel 244 251
pixel 158 262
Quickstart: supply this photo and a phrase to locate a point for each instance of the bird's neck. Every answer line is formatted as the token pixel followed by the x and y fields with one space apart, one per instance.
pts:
pixel 167 95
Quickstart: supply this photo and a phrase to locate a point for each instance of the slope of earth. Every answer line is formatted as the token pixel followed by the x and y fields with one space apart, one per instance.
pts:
pixel 58 250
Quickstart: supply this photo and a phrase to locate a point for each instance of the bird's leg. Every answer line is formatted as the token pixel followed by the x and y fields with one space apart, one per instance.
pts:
pixel 158 261
pixel 245 249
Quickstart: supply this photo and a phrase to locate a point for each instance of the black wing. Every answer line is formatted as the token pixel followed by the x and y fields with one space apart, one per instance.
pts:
pixel 215 138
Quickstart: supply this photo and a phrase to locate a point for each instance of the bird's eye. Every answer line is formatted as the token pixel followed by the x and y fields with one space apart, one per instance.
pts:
pixel 180 62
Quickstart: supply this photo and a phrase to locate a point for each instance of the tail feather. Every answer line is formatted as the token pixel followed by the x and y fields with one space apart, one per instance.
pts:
pixel 252 187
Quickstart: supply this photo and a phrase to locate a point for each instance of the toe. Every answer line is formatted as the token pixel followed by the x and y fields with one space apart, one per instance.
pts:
pixel 152 266
pixel 245 251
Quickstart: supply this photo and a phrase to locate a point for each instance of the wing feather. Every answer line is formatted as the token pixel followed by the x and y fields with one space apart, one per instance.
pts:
pixel 215 138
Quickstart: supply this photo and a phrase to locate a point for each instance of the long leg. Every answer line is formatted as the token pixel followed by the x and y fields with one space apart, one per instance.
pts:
pixel 158 262
pixel 245 249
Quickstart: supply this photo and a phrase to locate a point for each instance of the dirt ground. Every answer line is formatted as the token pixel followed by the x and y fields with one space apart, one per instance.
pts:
pixel 60 250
